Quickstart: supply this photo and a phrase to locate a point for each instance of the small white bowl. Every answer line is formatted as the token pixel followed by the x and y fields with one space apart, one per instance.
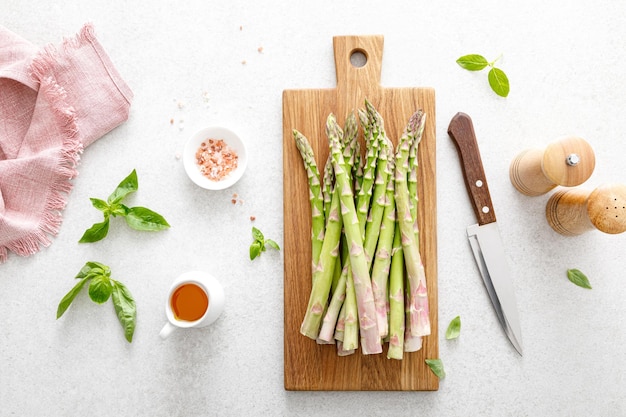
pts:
pixel 193 169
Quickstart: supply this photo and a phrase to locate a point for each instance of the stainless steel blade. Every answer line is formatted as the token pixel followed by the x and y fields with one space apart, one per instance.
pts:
pixel 489 254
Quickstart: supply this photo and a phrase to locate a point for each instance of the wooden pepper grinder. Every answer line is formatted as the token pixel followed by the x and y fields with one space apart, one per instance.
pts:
pixel 568 162
pixel 573 212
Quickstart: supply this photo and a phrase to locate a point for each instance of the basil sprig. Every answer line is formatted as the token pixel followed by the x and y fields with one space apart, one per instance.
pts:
pixel 138 218
pixel 498 81
pixel 259 243
pixel 101 288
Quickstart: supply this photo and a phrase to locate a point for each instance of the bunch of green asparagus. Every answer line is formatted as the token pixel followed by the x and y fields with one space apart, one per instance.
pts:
pixel 368 278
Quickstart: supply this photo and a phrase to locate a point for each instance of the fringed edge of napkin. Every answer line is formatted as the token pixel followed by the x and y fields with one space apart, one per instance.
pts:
pixel 69 156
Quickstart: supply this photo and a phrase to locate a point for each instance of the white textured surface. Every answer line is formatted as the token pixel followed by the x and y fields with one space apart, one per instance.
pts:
pixel 566 63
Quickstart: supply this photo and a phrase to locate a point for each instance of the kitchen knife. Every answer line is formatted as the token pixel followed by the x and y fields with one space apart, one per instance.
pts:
pixel 484 237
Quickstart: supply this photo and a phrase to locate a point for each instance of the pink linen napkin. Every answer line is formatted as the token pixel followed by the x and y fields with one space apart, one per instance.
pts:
pixel 53 103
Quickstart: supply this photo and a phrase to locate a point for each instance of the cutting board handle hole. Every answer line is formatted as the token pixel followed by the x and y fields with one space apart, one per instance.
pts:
pixel 358 58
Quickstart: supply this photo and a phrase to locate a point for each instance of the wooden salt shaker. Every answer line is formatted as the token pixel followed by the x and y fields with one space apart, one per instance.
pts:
pixel 567 162
pixel 575 211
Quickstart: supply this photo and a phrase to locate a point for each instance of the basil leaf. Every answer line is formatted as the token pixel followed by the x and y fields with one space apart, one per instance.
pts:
pixel 99 204
pixel 255 250
pixel 472 62
pixel 96 232
pixel 454 328
pixel 257 235
pixel 578 278
pixel 100 268
pixel 498 81
pixel 125 308
pixel 100 289
pixel 272 244
pixel 436 365
pixel 130 184
pixel 84 271
pixel 69 297
pixel 141 218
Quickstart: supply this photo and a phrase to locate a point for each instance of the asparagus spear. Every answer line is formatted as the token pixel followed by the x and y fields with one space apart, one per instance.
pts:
pixel 350 341
pixel 396 299
pixel 334 307
pixel 382 261
pixel 315 195
pixel 370 341
pixel 412 184
pixel 418 297
pixel 379 199
pixel 343 274
pixel 323 271
pixel 373 126
pixel 412 343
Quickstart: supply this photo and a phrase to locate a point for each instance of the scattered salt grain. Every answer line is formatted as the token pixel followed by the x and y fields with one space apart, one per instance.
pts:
pixel 236 200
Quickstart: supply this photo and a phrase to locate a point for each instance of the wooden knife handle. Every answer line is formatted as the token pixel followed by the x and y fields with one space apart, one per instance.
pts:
pixel 461 130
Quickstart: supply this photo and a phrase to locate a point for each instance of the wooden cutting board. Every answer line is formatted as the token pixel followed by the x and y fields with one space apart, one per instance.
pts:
pixel 309 366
